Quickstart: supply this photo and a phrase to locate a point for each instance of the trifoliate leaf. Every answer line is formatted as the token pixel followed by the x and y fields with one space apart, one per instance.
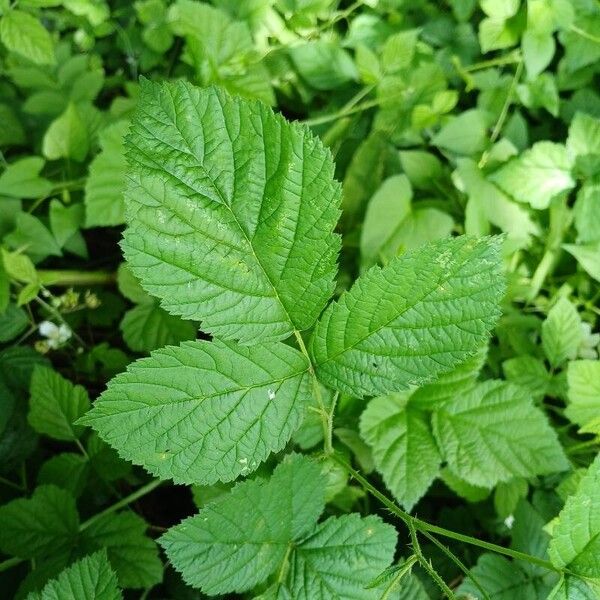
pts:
pixel 147 327
pixel 106 182
pixel 22 33
pixel 494 433
pixel 575 541
pixel 393 225
pixel 56 404
pixel 241 538
pixel 416 318
pixel 204 411
pixel 538 175
pixel 561 332
pixel 404 449
pixel 132 554
pixel 44 524
pixel 21 179
pixel 583 377
pixel 90 578
pixel 340 558
pixel 223 227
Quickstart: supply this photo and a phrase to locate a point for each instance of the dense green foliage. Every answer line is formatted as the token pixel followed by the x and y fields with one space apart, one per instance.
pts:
pixel 298 299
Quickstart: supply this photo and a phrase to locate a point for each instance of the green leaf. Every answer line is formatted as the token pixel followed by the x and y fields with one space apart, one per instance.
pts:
pixel 500 578
pixel 56 404
pixel 404 449
pixel 561 332
pixel 13 321
pixel 538 175
pixel 340 558
pixel 68 471
pixel 132 554
pixel 204 411
pixel 465 134
pixel 500 9
pixel 32 237
pixel 105 184
pixel 44 524
pixel 220 552
pixel 129 286
pixel 147 327
pixel 528 371
pixel 323 64
pixel 90 578
pixel 67 136
pixel 575 541
pixel 22 33
pixel 587 214
pixel 494 433
pixel 583 377
pixel 416 318
pixel 65 221
pixel 392 226
pixel 538 50
pixel 584 136
pixel 573 588
pixel 225 228
pixel 588 257
pixel 21 179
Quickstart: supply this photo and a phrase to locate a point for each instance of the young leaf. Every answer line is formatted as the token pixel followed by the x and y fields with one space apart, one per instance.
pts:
pixel 22 33
pixel 56 404
pixel 133 555
pixel 241 538
pixel 204 411
pixel 44 524
pixel 21 179
pixel 561 332
pixel 583 377
pixel 90 578
pixel 404 449
pixel 537 175
pixel 106 182
pixel 575 541
pixel 224 227
pixel 67 136
pixel 494 433
pixel 416 318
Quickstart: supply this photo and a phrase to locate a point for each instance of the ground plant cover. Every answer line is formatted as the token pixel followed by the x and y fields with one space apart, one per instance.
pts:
pixel 299 299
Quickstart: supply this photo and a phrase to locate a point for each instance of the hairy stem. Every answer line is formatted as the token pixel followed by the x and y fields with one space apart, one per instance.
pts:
pixel 424 526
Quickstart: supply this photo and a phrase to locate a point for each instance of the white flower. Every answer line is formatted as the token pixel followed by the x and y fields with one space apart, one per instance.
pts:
pixel 589 342
pixel 509 521
pixel 57 335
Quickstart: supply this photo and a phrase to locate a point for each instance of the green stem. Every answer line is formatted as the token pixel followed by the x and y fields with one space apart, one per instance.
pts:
pixel 424 526
pixel 143 491
pixel 585 34
pixel 348 109
pixel 514 57
pixel 12 484
pixel 406 568
pixel 9 563
pixel 69 278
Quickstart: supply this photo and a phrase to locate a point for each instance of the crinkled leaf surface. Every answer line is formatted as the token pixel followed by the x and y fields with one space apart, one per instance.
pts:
pixel 204 411
pixel 575 541
pixel 493 433
pixel 230 212
pixel 583 378
pixel 90 578
pixel 416 318
pixel 239 540
pixel 404 449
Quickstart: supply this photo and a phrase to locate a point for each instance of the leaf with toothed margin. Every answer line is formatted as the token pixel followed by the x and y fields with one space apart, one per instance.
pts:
pixel 204 411
pixel 412 320
pixel 230 212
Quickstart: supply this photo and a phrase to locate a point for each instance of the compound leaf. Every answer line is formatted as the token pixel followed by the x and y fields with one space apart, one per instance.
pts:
pixel 204 411
pixel 231 213
pixel 237 541
pixel 494 433
pixel 416 318
pixel 90 578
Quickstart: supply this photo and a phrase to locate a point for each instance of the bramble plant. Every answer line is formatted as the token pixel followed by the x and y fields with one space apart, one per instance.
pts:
pixel 299 299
